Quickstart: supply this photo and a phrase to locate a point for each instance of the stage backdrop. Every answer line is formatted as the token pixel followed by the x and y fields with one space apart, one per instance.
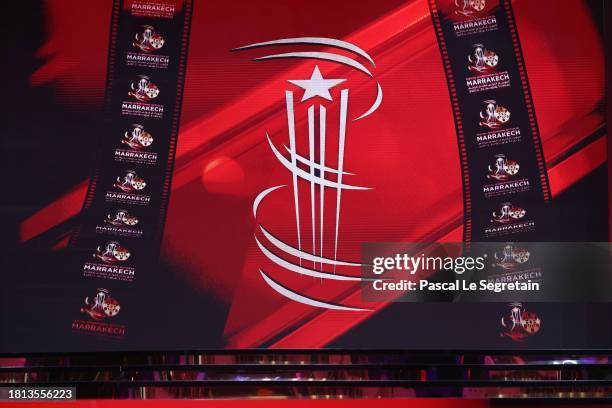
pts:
pixel 195 174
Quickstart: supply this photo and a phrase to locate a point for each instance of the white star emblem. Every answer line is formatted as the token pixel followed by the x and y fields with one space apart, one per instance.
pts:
pixel 316 85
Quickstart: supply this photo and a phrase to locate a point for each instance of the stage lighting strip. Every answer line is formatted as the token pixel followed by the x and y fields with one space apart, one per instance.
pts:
pixel 117 240
pixel 505 183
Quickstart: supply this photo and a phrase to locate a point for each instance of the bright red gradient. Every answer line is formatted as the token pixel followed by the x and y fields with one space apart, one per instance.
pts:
pixel 406 151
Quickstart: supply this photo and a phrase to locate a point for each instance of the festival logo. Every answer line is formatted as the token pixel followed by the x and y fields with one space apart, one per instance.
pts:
pixel 483 65
pixel 469 17
pixel 511 257
pixel 482 61
pixel 130 182
pixel 137 138
pixel 101 306
pixel 122 218
pixel 508 219
pixel 112 253
pixel 120 223
pixel 303 252
pixel 493 115
pixel 469 7
pixel 512 263
pixel 143 90
pixel 148 41
pixel 520 323
pixel 503 169
pixel 507 213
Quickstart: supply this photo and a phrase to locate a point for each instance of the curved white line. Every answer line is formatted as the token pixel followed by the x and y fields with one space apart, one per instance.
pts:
pixel 303 299
pixel 302 270
pixel 326 56
pixel 316 165
pixel 375 105
pixel 288 249
pixel 261 196
pixel 331 42
pixel 294 169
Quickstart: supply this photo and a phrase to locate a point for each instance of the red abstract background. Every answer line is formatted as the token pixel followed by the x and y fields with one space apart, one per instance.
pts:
pixel 406 151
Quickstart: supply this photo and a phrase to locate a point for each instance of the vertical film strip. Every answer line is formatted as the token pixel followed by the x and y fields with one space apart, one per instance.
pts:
pixel 118 238
pixel 505 182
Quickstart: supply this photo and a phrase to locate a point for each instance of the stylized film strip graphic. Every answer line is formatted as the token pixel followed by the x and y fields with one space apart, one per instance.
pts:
pixel 123 216
pixel 505 182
